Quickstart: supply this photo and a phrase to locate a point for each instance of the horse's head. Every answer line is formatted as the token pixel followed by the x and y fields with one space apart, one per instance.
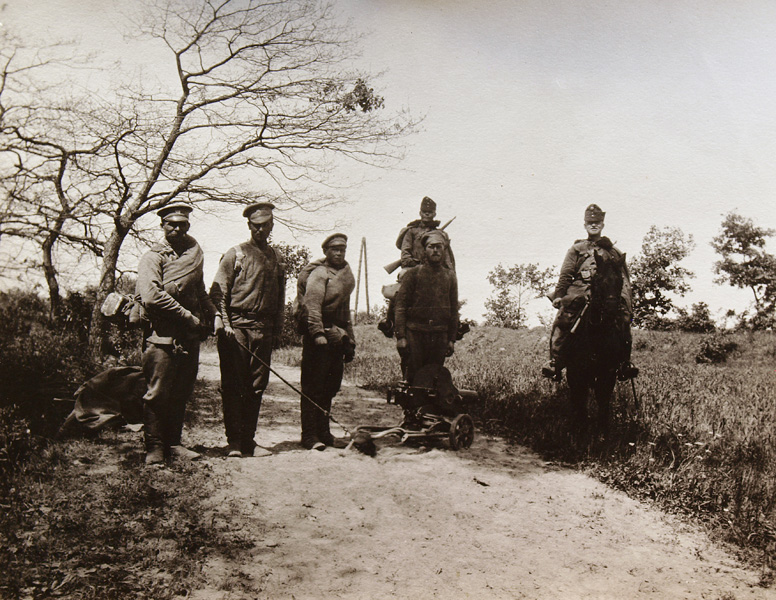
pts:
pixel 606 284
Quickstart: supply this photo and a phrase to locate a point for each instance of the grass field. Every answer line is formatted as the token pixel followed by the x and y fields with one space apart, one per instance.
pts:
pixel 701 438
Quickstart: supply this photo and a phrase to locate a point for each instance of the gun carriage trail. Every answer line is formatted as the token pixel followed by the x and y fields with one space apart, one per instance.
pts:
pixel 417 521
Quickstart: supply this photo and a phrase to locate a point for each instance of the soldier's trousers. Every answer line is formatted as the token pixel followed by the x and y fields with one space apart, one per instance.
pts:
pixel 561 334
pixel 423 348
pixel 170 374
pixel 322 368
pixel 243 381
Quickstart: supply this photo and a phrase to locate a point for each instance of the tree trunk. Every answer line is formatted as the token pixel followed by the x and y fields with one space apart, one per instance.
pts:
pixel 50 272
pixel 99 328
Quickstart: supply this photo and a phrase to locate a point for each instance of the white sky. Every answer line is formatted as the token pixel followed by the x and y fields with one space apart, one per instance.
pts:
pixel 662 112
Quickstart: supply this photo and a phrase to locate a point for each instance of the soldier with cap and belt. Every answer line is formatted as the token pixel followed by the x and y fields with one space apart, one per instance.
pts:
pixel 573 288
pixel 327 340
pixel 427 309
pixel 413 253
pixel 179 314
pixel 249 294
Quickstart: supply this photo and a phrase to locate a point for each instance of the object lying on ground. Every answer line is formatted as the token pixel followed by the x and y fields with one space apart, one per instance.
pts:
pixel 113 397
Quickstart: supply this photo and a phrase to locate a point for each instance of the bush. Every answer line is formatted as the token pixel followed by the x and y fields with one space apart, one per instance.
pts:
pixel 715 349
pixel 696 320
pixel 41 359
pixel 16 443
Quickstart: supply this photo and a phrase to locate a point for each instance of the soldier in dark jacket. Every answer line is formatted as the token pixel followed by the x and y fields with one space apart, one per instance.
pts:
pixel 573 290
pixel 412 255
pixel 327 341
pixel 249 293
pixel 427 309
pixel 179 312
pixel 412 250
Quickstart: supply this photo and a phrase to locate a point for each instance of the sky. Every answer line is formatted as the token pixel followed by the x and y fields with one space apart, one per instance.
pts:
pixel 661 112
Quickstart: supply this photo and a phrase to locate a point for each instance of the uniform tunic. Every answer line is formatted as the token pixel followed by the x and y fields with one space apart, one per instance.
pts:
pixel 426 315
pixel 249 292
pixel 327 305
pixel 573 288
pixel 172 291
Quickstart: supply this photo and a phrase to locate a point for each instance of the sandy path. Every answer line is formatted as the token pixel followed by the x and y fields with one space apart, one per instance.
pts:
pixel 426 522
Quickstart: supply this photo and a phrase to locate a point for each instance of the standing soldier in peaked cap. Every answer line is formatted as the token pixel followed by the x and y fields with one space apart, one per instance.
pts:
pixel 427 309
pixel 249 293
pixel 327 340
pixel 179 313
pixel 574 287
pixel 413 253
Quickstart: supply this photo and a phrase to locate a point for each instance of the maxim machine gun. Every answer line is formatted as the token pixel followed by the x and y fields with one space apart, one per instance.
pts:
pixel 433 408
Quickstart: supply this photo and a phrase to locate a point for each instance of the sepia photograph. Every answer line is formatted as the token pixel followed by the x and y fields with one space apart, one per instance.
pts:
pixel 387 299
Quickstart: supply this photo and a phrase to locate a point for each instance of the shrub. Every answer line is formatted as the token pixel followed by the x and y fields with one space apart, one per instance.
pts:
pixel 41 360
pixel 696 320
pixel 715 349
pixel 16 442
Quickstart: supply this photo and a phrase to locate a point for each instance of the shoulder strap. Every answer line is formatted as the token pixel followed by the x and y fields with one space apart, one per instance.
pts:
pixel 239 257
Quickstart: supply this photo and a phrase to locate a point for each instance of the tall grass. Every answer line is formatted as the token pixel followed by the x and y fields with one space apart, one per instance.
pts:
pixel 702 437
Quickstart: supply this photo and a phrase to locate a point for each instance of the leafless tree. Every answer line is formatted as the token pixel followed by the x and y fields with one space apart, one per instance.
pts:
pixel 263 102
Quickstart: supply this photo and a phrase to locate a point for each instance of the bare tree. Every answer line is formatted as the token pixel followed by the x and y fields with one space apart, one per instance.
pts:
pixel 263 103
pixel 42 196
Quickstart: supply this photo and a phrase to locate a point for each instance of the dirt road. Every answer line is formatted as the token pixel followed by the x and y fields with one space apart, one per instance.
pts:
pixel 425 522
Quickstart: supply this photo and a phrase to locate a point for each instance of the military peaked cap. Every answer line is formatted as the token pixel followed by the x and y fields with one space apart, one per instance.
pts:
pixel 177 211
pixel 594 214
pixel 427 204
pixel 433 236
pixel 338 239
pixel 259 213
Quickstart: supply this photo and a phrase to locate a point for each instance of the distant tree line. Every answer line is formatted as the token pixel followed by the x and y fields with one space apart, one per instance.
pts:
pixel 658 277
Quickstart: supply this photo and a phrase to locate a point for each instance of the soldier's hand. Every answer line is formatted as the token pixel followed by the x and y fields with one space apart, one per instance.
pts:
pixel 557 303
pixel 401 344
pixel 450 348
pixel 223 329
pixel 320 340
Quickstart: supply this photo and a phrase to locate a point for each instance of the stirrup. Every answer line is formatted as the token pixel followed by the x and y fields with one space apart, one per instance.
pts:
pixel 627 371
pixel 552 373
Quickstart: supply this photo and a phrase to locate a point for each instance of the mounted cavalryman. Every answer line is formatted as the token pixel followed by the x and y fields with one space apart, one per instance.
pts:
pixel 572 293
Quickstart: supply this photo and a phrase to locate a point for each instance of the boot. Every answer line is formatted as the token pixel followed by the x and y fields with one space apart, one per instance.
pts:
pixel 552 371
pixel 627 370
pixel 154 456
pixel 183 453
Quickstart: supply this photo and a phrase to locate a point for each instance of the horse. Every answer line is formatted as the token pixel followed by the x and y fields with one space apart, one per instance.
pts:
pixel 597 344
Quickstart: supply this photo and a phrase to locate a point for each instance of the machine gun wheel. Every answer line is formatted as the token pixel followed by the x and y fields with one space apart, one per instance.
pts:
pixel 461 432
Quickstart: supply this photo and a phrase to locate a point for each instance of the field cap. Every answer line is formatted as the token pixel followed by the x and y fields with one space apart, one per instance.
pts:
pixel 594 214
pixel 335 239
pixel 433 236
pixel 427 204
pixel 178 211
pixel 259 213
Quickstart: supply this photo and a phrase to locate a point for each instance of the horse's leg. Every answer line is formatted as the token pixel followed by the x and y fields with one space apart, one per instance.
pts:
pixel 578 385
pixel 604 387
